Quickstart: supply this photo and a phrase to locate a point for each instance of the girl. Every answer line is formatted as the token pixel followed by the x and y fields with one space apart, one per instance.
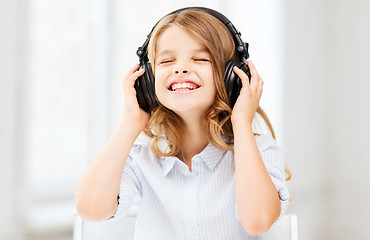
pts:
pixel 205 174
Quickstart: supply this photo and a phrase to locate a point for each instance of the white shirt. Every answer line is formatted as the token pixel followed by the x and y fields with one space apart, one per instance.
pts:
pixel 177 204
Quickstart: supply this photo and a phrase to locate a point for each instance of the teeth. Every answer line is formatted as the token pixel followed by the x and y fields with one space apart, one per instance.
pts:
pixel 183 86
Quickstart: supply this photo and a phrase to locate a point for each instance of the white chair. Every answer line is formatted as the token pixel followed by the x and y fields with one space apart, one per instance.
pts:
pixel 112 230
pixel 284 229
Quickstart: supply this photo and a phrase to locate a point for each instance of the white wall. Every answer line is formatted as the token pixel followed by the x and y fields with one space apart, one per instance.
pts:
pixel 305 115
pixel 349 101
pixel 326 115
pixel 11 66
pixel 43 98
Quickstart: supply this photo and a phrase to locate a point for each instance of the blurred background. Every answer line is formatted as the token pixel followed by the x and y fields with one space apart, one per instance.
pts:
pixel 62 62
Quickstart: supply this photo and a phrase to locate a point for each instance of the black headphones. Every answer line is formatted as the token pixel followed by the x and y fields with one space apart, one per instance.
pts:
pixel 144 85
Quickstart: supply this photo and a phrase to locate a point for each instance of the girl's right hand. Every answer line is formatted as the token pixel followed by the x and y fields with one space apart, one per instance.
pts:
pixel 132 112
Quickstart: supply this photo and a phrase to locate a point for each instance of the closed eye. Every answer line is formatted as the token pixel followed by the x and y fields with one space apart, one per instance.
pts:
pixel 166 61
pixel 202 60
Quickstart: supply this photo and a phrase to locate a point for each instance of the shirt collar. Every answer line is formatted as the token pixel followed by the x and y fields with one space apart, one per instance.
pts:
pixel 210 156
pixel 167 164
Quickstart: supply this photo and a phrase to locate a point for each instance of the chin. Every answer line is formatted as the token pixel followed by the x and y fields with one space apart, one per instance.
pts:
pixel 182 110
pixel 183 106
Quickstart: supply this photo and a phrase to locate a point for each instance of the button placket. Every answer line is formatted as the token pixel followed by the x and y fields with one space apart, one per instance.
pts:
pixel 191 214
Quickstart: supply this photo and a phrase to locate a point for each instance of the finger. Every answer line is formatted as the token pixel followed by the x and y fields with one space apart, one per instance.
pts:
pixel 260 84
pixel 252 68
pixel 260 88
pixel 132 70
pixel 243 76
pixel 129 73
pixel 255 77
pixel 131 80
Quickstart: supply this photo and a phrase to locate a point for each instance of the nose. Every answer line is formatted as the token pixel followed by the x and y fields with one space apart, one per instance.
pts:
pixel 180 68
pixel 182 71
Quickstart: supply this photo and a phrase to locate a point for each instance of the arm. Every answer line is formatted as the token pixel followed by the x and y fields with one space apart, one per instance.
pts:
pixel 96 196
pixel 256 197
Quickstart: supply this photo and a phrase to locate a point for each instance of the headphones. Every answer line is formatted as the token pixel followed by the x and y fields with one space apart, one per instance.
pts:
pixel 144 85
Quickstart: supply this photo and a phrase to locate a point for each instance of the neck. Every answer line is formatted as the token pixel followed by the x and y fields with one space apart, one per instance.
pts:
pixel 195 139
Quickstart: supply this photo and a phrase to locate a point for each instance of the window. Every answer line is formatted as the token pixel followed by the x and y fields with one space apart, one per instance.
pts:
pixel 59 109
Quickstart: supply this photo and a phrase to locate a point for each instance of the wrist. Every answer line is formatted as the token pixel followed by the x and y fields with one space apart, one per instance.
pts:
pixel 242 127
pixel 134 127
pixel 241 122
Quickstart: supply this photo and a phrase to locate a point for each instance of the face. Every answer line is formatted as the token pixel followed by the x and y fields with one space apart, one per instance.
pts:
pixel 184 79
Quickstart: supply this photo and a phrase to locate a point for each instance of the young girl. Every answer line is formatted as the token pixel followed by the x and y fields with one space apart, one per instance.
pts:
pixel 205 174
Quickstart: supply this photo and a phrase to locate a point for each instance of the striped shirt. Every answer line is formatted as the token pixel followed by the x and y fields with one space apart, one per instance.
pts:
pixel 178 204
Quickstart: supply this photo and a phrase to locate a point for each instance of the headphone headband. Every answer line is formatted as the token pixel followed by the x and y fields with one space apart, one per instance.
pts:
pixel 242 47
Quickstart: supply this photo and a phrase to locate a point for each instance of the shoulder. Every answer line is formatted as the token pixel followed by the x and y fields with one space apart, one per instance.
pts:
pixel 140 149
pixel 265 142
pixel 139 157
pixel 272 155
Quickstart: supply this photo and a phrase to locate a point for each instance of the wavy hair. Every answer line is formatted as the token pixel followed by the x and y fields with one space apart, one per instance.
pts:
pixel 164 124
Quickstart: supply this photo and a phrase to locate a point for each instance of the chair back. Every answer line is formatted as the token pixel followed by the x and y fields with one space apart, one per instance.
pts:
pixel 284 229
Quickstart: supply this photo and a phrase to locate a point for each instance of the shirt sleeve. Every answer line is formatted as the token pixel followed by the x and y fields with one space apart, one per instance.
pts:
pixel 273 158
pixel 130 192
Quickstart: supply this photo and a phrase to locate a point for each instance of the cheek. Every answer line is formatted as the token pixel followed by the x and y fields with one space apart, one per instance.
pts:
pixel 156 87
pixel 214 89
pixel 212 82
pixel 159 84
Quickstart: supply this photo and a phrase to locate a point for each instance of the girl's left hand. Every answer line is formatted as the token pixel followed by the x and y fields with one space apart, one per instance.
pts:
pixel 248 101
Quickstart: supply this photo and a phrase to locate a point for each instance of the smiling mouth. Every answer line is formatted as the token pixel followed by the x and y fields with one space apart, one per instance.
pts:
pixel 183 86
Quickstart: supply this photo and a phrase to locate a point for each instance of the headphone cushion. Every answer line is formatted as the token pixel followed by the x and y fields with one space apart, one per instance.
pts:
pixel 232 81
pixel 145 92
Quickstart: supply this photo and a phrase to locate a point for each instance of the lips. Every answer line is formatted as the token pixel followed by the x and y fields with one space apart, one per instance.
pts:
pixel 183 85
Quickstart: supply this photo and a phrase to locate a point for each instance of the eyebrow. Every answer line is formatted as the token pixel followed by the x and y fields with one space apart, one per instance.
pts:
pixel 167 51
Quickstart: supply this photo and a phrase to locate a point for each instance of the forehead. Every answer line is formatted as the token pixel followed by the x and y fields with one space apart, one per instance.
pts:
pixel 175 38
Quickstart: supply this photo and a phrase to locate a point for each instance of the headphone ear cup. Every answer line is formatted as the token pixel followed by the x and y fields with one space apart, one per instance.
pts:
pixel 139 93
pixel 227 79
pixel 145 92
pixel 233 83
pixel 150 93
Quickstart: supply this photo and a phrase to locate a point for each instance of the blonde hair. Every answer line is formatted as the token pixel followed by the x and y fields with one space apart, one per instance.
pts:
pixel 164 124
